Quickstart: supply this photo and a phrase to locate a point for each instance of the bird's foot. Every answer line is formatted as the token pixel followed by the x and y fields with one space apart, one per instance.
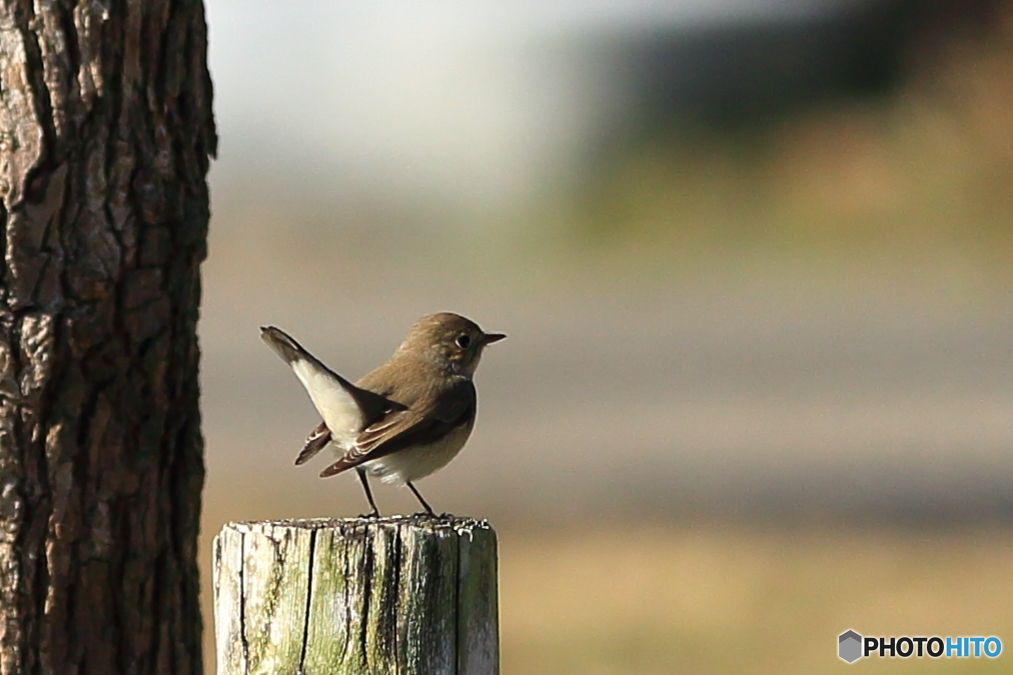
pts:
pixel 435 516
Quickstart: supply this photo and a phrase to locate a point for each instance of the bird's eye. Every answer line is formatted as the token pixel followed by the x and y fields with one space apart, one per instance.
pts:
pixel 464 341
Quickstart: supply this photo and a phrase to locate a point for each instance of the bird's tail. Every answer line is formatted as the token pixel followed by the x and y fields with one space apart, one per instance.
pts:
pixel 284 344
pixel 345 408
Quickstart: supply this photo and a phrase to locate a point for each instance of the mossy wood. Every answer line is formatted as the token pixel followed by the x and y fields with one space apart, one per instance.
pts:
pixel 409 595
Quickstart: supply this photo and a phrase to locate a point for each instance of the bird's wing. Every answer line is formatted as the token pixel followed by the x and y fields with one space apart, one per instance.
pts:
pixel 315 442
pixel 345 408
pixel 406 428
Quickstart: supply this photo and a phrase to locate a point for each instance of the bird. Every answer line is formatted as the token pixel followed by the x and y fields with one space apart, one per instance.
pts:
pixel 404 420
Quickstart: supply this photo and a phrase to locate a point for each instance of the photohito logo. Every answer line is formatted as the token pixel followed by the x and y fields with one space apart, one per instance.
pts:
pixel 851 646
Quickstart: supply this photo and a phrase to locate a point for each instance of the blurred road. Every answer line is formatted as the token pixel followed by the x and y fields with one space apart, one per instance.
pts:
pixel 733 394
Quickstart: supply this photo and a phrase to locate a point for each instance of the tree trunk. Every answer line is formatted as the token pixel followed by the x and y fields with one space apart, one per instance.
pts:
pixel 105 134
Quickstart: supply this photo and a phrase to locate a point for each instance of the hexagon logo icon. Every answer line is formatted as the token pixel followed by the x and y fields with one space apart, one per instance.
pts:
pixel 849 646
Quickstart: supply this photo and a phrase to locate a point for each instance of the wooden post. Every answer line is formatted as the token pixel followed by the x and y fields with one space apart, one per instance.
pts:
pixel 413 595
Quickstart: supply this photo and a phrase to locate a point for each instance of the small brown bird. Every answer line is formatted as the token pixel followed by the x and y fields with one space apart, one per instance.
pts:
pixel 406 419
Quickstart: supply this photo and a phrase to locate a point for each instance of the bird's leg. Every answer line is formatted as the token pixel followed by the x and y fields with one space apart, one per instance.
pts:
pixel 421 500
pixel 375 513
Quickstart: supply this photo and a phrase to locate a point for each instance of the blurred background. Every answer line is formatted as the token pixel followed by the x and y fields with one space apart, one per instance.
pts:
pixel 753 258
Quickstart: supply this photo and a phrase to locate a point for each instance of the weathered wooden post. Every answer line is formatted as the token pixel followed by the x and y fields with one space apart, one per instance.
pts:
pixel 413 595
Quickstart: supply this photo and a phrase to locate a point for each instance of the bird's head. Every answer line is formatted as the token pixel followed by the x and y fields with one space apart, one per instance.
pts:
pixel 450 340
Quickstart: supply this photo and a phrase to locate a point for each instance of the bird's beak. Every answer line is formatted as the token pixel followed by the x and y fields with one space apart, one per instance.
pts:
pixel 489 338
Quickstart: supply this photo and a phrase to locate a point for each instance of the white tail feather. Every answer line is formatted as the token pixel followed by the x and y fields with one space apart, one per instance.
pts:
pixel 338 408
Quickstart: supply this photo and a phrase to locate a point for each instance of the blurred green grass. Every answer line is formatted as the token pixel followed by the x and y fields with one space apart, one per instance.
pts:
pixel 922 171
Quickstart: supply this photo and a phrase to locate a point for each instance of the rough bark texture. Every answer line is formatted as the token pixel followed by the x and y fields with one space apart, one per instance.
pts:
pixel 411 595
pixel 105 134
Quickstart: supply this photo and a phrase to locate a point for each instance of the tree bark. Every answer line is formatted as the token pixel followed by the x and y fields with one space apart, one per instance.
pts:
pixel 105 137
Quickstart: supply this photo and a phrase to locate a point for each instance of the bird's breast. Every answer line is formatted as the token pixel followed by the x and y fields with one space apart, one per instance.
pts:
pixel 419 461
